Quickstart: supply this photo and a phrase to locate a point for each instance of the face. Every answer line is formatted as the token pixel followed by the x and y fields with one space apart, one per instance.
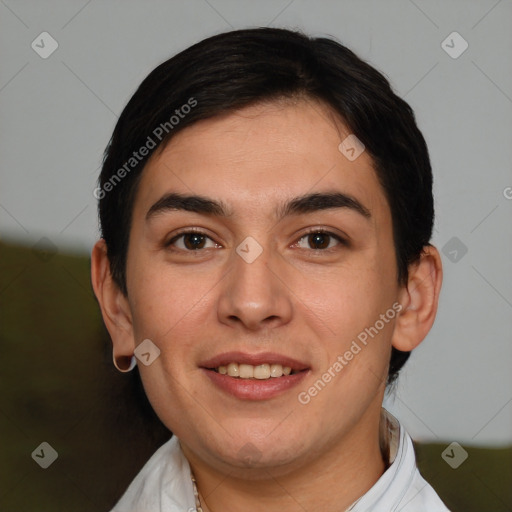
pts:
pixel 280 264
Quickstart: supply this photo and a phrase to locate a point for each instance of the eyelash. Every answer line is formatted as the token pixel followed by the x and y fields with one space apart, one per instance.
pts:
pixel 341 240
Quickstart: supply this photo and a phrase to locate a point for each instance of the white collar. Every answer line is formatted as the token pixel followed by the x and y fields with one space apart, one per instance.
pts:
pixel 388 490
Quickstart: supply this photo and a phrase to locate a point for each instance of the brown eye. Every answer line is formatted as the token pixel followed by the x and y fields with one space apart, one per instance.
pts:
pixel 192 241
pixel 320 240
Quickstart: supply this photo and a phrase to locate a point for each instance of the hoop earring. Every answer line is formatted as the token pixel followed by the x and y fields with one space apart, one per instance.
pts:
pixel 131 366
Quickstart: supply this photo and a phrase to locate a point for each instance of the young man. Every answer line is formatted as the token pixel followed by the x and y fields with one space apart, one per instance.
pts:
pixel 266 210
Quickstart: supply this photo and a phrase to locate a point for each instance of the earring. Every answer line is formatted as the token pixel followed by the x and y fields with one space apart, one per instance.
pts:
pixel 133 363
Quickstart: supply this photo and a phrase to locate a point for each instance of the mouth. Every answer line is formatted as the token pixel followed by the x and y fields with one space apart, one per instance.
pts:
pixel 254 376
pixel 261 372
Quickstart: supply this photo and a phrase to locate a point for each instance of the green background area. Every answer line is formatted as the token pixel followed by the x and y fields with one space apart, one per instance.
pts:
pixel 58 385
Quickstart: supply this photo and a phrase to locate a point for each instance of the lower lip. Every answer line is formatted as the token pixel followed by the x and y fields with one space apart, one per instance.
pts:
pixel 255 389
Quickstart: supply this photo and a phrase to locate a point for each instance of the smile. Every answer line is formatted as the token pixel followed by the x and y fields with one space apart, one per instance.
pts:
pixel 249 371
pixel 254 376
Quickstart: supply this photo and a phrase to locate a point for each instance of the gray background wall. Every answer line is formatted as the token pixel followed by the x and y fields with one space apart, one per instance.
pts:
pixel 57 114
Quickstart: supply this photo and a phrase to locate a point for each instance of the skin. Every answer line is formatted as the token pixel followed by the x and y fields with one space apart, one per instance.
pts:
pixel 294 299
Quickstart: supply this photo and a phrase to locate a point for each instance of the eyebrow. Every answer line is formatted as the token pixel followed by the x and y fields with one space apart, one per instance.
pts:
pixel 307 203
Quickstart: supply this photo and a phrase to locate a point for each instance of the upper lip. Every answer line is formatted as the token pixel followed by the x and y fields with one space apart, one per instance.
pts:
pixel 254 360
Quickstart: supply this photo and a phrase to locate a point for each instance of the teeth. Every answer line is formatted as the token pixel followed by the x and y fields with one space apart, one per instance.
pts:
pixel 276 370
pixel 262 371
pixel 233 370
pixel 248 371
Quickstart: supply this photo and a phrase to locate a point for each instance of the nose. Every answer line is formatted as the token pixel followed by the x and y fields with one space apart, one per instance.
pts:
pixel 254 295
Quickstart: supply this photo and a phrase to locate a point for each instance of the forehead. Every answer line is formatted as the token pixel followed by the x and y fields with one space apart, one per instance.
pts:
pixel 260 155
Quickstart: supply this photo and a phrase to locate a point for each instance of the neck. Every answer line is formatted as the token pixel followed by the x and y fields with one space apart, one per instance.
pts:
pixel 331 481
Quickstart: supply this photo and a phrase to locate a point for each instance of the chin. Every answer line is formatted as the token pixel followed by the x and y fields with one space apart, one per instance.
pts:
pixel 251 452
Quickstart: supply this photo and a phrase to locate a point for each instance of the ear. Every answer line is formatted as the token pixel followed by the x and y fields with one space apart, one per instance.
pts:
pixel 419 299
pixel 114 306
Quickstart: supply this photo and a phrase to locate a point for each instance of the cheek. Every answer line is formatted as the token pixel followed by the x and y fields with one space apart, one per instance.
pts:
pixel 164 299
pixel 347 300
pixel 170 309
pixel 353 312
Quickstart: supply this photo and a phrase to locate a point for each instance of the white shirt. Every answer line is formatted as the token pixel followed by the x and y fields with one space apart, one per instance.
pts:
pixel 164 483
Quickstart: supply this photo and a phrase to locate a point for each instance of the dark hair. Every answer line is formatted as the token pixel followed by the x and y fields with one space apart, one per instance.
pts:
pixel 235 69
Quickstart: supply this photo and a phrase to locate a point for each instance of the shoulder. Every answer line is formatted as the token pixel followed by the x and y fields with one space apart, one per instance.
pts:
pixel 420 497
pixel 413 493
